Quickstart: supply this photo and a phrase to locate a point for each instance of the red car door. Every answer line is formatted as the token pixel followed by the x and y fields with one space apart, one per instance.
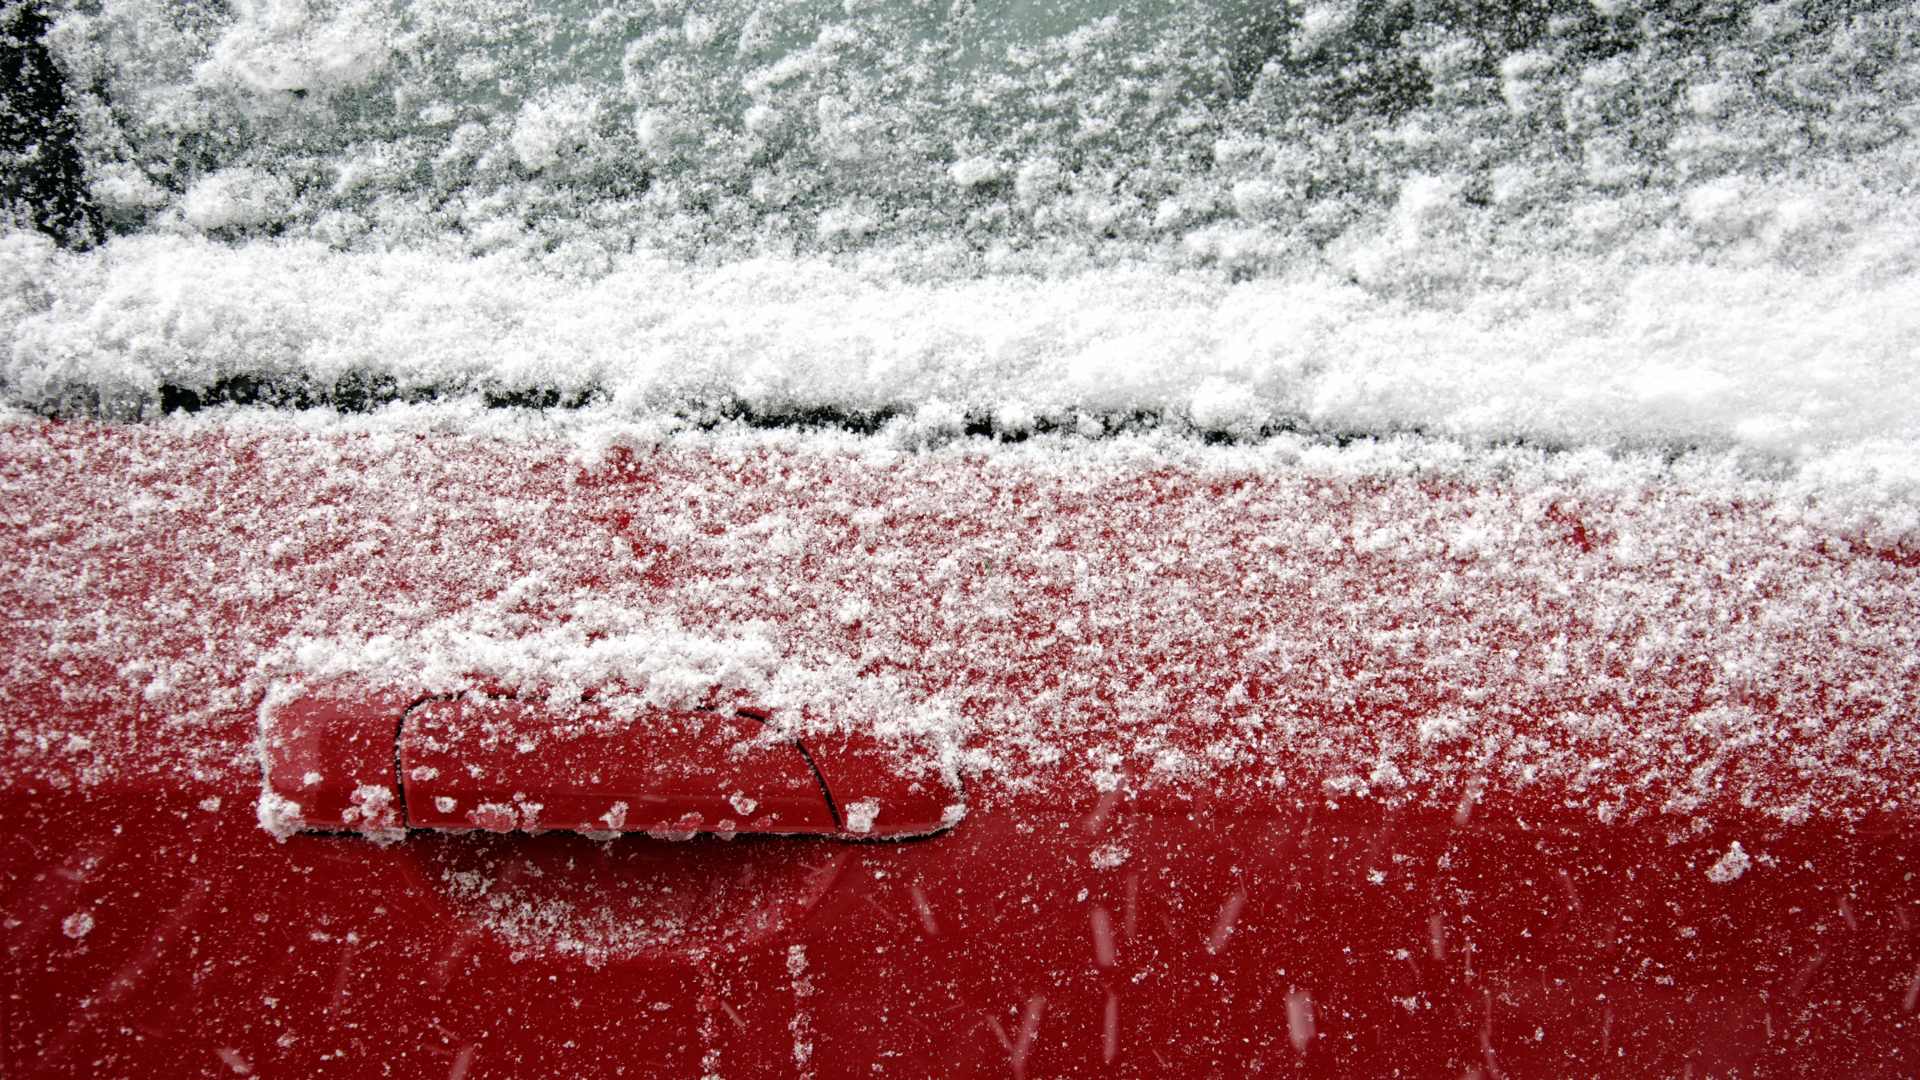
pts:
pixel 1266 770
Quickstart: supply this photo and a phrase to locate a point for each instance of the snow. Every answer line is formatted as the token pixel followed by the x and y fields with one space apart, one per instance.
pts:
pixel 1730 867
pixel 551 128
pixel 371 812
pixel 1806 372
pixel 276 48
pixel 860 815
pixel 235 198
pixel 598 645
pixel 279 815
pixel 778 211
pixel 975 172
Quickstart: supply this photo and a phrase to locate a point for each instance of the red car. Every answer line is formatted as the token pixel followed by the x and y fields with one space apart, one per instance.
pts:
pixel 832 538
pixel 316 740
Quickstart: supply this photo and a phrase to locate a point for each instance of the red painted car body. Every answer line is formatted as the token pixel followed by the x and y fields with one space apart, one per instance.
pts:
pixel 1208 890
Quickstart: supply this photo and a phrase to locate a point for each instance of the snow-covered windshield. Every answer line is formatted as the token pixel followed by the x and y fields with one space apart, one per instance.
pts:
pixel 1580 223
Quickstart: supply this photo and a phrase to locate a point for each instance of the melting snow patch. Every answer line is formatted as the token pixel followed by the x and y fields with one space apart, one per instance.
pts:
pixel 1300 1019
pixel 494 817
pixel 1730 866
pixel 279 815
pixel 372 813
pixel 860 815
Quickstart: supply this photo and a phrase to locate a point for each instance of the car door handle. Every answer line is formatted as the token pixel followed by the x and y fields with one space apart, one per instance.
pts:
pixel 385 764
